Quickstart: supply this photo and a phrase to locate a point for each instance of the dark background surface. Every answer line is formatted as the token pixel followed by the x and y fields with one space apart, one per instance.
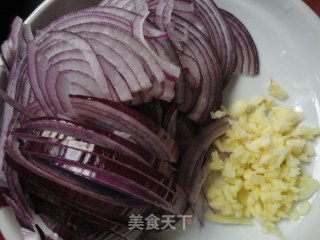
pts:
pixel 11 8
pixel 314 4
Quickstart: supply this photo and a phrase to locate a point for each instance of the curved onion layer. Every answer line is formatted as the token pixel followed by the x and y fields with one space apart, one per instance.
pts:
pixel 194 156
pixel 64 213
pixel 114 116
pixel 116 23
pixel 67 128
pixel 68 187
pixel 97 157
pixel 21 207
pixel 14 48
pixel 9 115
pixel 78 148
pixel 219 32
pixel 106 107
pixel 75 226
pixel 246 51
pixel 123 180
pixel 210 89
pixel 47 127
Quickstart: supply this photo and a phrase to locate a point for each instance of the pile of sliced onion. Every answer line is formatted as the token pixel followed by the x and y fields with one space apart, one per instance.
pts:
pixel 108 113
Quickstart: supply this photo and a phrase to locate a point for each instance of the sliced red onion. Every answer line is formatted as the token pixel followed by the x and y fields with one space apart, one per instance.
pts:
pixel 135 46
pixel 120 85
pixel 14 46
pixel 67 187
pixel 80 150
pixel 195 197
pixel 246 51
pixel 154 34
pixel 72 226
pixel 127 63
pixel 136 6
pixel 38 64
pixel 117 18
pixel 35 109
pixel 39 200
pixel 168 91
pixel 192 160
pixel 210 92
pixel 126 186
pixel 28 235
pixel 170 120
pixel 84 81
pixel 97 157
pixel 67 79
pixel 37 77
pixel 24 94
pixel 192 70
pixel 220 31
pixel 100 137
pixel 78 17
pixel 161 16
pixel 186 131
pixel 188 102
pixel 137 30
pixel 183 6
pixel 9 112
pixel 173 88
pixel 115 3
pixel 121 178
pixel 18 202
pixel 13 103
pixel 116 116
pixel 152 110
pixel 114 213
pixel 134 76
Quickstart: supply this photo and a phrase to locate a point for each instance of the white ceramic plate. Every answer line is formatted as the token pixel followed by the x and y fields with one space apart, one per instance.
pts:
pixel 287 35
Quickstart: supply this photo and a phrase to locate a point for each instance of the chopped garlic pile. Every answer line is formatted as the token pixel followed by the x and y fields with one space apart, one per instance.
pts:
pixel 262 176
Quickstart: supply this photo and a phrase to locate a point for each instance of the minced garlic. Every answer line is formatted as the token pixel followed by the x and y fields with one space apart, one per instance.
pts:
pixel 276 91
pixel 262 176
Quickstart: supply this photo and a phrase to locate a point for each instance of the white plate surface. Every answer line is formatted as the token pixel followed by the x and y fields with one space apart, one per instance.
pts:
pixel 287 35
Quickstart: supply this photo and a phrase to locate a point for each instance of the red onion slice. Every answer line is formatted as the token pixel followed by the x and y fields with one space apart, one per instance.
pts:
pixel 99 167
pixel 192 160
pixel 61 145
pixel 14 48
pixel 210 92
pixel 72 219
pixel 66 187
pixel 138 48
pixel 247 55
pixel 121 184
pixel 9 113
pixel 89 134
pixel 116 115
pixel 88 53
pixel 135 6
pixel 33 71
